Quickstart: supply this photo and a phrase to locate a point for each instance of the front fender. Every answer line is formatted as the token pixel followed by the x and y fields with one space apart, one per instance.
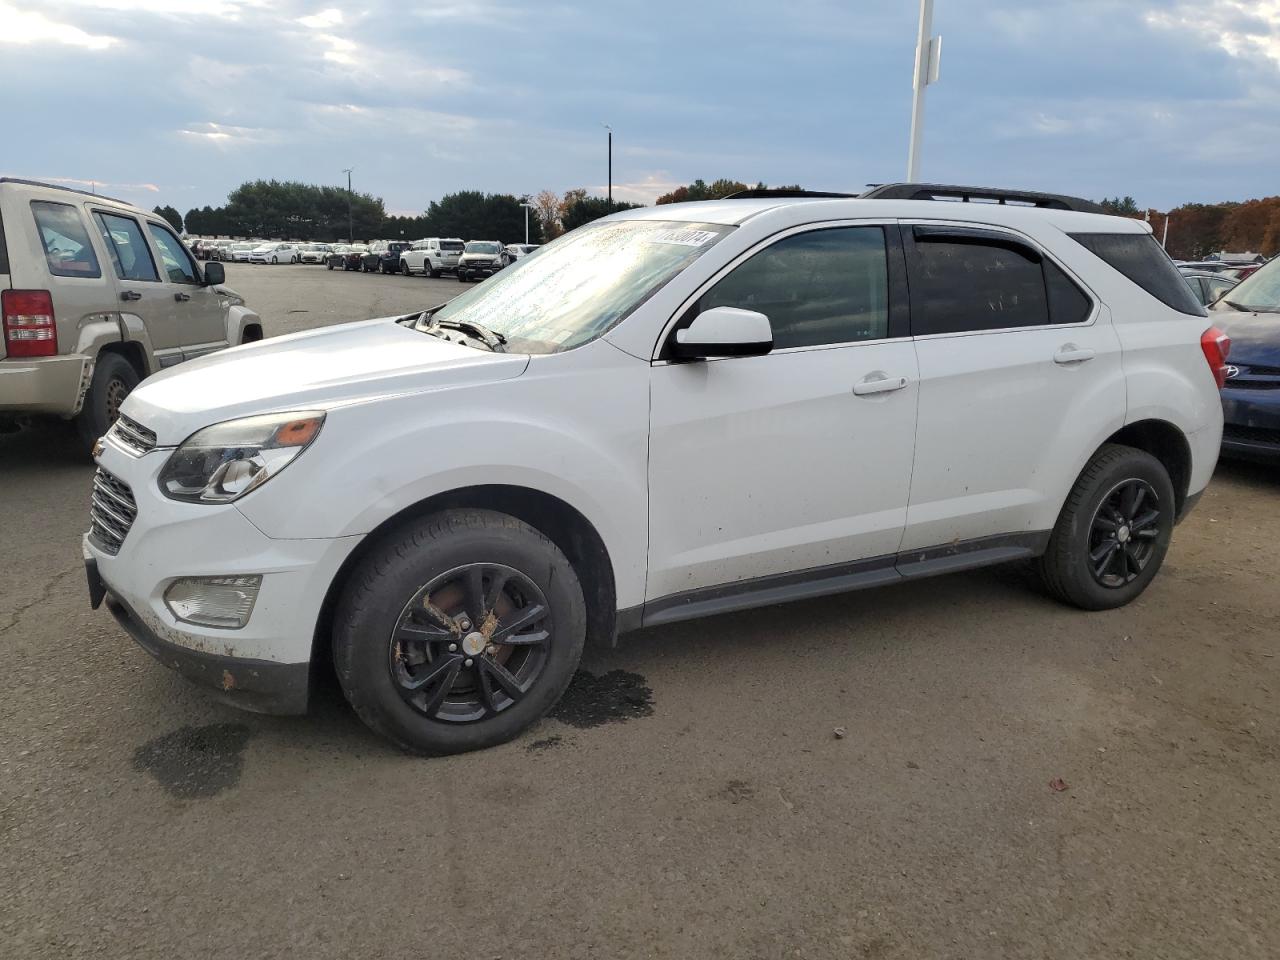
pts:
pixel 239 317
pixel 575 431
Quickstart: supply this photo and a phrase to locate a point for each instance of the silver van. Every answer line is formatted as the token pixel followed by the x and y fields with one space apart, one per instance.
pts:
pixel 95 295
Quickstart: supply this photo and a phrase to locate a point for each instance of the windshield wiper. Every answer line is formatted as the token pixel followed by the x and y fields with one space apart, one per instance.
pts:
pixel 476 331
pixel 1236 306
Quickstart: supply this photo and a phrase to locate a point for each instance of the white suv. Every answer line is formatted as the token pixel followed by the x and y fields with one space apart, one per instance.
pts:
pixel 671 412
pixel 431 256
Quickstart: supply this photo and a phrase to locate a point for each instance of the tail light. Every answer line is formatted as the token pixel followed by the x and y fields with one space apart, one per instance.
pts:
pixel 1216 346
pixel 29 329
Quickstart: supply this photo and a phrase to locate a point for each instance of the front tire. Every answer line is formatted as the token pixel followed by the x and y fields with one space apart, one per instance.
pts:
pixel 1113 532
pixel 405 269
pixel 113 379
pixel 459 632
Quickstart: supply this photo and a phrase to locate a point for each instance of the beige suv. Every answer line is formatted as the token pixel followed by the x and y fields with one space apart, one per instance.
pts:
pixel 95 295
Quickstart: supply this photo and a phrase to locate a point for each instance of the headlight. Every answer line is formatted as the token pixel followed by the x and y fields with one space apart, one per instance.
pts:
pixel 223 462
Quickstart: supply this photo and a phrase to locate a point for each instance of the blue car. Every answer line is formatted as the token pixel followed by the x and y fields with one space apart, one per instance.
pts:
pixel 1250 315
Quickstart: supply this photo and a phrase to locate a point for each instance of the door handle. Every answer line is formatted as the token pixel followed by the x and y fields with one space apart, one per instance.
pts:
pixel 878 383
pixel 131 295
pixel 1070 353
pixel 181 297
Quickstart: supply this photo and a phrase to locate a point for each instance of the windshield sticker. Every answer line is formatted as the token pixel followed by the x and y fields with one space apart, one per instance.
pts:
pixel 685 238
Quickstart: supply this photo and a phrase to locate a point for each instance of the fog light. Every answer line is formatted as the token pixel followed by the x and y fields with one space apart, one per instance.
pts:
pixel 213 601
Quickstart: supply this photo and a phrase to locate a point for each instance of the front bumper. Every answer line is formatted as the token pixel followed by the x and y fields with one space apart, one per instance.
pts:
pixel 43 384
pixel 1252 423
pixel 257 685
pixel 262 666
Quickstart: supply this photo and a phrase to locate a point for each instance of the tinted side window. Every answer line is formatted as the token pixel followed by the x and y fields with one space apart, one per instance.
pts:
pixel 66 242
pixel 124 241
pixel 178 265
pixel 1142 260
pixel 968 285
pixel 827 286
pixel 1067 302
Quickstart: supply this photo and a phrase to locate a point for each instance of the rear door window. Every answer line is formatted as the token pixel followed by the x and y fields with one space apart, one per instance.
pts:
pixel 67 249
pixel 178 265
pixel 1140 258
pixel 128 249
pixel 967 280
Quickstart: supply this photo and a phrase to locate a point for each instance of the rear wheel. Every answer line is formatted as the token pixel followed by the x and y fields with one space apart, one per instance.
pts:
pixel 432 271
pixel 1113 532
pixel 113 379
pixel 459 632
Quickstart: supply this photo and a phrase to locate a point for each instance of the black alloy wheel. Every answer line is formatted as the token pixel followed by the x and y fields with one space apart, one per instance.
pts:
pixel 1122 536
pixel 471 643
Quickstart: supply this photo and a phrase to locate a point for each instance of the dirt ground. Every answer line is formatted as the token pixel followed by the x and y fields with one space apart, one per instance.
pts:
pixel 690 799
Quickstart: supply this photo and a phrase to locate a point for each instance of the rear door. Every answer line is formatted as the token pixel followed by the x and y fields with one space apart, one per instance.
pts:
pixel 201 320
pixel 1019 368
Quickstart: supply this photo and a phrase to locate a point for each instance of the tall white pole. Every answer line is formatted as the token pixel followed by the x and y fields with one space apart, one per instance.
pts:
pixel 1164 241
pixel 920 81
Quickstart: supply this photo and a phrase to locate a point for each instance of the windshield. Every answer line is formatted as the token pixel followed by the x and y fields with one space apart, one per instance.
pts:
pixel 1260 291
pixel 580 285
pixel 482 247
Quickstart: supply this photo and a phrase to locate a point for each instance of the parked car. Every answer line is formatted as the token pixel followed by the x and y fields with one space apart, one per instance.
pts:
pixel 240 252
pixel 383 256
pixel 274 253
pixel 314 252
pixel 431 256
pixel 337 256
pixel 353 259
pixel 671 412
pixel 481 258
pixel 515 251
pixel 203 249
pixel 95 295
pixel 1250 315
pixel 1208 287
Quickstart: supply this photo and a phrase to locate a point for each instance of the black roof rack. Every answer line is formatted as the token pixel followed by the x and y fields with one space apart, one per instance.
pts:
pixel 941 191
pixel 757 193
pixel 55 186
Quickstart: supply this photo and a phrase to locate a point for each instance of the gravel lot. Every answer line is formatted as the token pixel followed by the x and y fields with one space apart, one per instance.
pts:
pixel 690 799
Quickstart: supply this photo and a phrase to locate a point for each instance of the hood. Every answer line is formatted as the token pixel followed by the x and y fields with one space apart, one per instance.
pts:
pixel 1255 337
pixel 480 256
pixel 315 370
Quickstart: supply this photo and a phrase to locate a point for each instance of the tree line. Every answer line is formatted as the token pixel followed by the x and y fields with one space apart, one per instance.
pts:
pixel 1197 230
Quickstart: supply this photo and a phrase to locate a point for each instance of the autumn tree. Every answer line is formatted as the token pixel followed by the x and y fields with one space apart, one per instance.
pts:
pixel 547 205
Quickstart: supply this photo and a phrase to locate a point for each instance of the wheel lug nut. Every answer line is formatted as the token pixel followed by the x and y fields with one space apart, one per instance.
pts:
pixel 469 661
pixel 491 649
pixel 464 624
pixel 453 647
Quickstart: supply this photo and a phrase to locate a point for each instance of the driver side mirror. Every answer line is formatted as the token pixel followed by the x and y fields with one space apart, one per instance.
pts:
pixel 214 273
pixel 724 332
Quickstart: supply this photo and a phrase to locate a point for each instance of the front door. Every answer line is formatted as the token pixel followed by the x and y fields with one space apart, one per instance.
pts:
pixel 142 292
pixel 777 472
pixel 201 318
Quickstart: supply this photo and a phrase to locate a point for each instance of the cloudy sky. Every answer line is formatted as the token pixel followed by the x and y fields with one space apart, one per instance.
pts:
pixel 157 102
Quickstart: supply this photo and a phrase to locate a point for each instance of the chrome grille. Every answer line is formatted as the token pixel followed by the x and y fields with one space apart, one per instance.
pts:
pixel 134 435
pixel 111 511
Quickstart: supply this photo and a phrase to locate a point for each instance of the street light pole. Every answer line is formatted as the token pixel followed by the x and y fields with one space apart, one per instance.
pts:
pixel 350 228
pixel 928 58
pixel 610 129
pixel 527 207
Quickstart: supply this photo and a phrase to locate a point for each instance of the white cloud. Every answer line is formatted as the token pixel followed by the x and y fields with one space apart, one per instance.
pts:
pixel 1242 28
pixel 325 18
pixel 21 26
pixel 225 135
pixel 97 186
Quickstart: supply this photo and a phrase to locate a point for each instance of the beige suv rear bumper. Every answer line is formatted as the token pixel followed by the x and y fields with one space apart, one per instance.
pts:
pixel 45 385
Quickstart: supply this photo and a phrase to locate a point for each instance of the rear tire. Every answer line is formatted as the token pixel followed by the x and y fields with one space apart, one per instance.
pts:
pixel 432 272
pixel 482 692
pixel 113 379
pixel 1113 532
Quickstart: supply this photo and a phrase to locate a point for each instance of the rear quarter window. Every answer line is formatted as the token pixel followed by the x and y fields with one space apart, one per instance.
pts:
pixel 1140 258
pixel 65 240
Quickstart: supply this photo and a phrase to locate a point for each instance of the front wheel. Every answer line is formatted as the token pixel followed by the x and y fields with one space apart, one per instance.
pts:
pixel 1113 532
pixel 329 264
pixel 404 268
pixel 275 260
pixel 459 632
